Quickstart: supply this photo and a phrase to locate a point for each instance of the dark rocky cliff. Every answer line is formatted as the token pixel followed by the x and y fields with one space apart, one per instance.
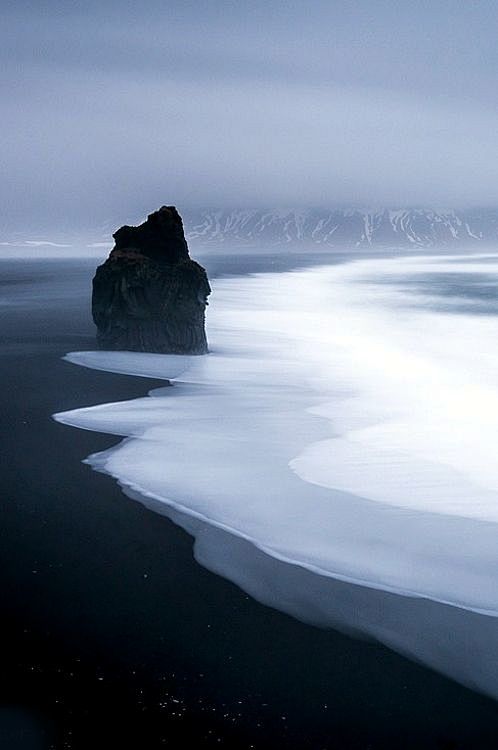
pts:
pixel 149 296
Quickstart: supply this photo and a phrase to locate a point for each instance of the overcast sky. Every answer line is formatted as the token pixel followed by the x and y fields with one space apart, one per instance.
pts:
pixel 114 108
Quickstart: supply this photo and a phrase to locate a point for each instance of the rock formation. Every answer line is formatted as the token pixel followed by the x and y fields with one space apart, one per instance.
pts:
pixel 149 296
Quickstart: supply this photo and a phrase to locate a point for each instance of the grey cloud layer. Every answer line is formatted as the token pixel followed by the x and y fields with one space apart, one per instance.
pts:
pixel 123 107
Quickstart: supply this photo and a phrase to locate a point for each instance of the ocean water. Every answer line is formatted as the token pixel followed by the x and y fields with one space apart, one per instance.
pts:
pixel 334 454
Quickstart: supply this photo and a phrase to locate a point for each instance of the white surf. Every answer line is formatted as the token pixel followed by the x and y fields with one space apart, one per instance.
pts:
pixel 344 423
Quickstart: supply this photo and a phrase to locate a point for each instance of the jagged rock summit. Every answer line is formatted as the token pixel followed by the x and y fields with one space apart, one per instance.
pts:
pixel 149 296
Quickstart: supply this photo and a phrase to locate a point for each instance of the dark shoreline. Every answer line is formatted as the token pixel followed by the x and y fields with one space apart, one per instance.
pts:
pixel 114 636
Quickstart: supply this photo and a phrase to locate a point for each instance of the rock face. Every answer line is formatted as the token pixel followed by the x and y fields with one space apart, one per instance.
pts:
pixel 149 296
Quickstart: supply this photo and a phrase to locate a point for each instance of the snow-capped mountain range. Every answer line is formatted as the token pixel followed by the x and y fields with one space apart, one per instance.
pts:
pixel 230 230
pixel 402 228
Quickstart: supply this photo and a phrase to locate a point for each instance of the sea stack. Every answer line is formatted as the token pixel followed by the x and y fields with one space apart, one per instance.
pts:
pixel 149 296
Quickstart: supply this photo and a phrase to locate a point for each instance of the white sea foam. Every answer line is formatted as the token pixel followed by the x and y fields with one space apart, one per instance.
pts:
pixel 340 423
pixel 457 642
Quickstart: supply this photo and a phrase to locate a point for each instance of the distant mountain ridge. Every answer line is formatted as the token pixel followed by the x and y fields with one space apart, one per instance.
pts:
pixel 402 228
pixel 261 229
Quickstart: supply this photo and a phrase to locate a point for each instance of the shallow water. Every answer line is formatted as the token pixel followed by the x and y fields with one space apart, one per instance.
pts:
pixel 344 425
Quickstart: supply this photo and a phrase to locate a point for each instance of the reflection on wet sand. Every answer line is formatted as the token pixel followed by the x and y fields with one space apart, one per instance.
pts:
pixel 456 642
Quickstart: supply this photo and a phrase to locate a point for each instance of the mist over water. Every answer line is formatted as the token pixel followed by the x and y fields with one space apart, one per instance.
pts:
pixel 334 455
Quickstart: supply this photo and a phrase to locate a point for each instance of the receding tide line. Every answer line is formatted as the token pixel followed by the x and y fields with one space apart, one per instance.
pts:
pixel 93 462
pixel 98 462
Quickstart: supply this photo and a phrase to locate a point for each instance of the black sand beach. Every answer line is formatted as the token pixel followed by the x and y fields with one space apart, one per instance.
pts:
pixel 113 636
